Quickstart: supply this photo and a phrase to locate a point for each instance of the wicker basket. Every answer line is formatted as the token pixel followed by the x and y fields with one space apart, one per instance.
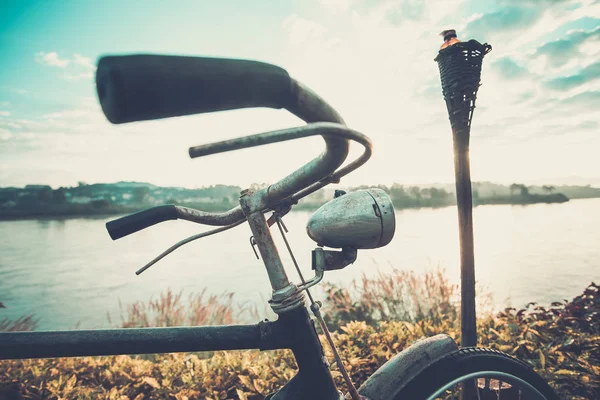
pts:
pixel 460 72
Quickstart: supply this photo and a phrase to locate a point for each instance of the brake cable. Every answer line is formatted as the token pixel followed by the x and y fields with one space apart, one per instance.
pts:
pixel 315 307
pixel 186 241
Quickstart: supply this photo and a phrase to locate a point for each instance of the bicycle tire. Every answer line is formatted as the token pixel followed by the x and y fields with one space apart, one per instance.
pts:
pixel 463 362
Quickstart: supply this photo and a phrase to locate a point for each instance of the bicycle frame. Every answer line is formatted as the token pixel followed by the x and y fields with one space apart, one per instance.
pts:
pixel 294 328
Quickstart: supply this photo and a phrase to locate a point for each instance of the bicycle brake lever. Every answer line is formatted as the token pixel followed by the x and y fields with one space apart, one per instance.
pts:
pixel 279 211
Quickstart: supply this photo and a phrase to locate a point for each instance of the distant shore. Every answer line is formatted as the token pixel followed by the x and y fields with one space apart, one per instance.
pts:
pixel 77 211
pixel 113 199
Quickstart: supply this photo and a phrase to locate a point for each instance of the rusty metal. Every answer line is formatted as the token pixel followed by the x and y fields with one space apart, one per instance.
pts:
pixel 319 274
pixel 285 295
pixel 329 260
pixel 252 244
pixel 268 251
pixel 305 284
pixel 311 108
pixel 207 218
pixel 337 175
pixel 315 174
pixel 364 219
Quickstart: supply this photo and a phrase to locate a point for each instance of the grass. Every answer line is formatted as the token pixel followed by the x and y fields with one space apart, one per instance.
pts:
pixel 21 324
pixel 169 309
pixel 373 320
pixel 393 296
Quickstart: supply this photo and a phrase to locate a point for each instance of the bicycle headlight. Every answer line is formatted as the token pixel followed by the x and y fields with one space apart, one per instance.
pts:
pixel 362 220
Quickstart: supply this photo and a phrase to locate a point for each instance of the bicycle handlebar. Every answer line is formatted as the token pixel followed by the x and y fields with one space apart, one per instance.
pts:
pixel 318 172
pixel 132 223
pixel 336 150
pixel 145 87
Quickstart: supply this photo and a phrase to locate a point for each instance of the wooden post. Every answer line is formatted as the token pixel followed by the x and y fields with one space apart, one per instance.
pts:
pixel 464 202
pixel 460 73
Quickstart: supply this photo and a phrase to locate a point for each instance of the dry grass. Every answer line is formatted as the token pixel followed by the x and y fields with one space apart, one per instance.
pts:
pixel 393 296
pixel 21 324
pixel 170 310
pixel 562 342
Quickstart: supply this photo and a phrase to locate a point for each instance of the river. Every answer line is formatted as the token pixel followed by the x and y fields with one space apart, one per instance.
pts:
pixel 70 274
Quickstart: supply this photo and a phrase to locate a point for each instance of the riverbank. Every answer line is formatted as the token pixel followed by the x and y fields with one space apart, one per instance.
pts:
pixel 522 200
pixel 41 201
pixel 50 211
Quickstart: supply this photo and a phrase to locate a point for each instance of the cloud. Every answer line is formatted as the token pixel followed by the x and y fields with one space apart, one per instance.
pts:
pixel 77 68
pixel 589 100
pixel 337 5
pixel 586 75
pixel 4 113
pixel 52 59
pixel 588 125
pixel 79 76
pixel 73 114
pixel 83 61
pixel 375 65
pixel 571 109
pixel 379 74
pixel 560 52
pixel 405 10
pixel 5 134
pixel 502 20
pixel 302 30
pixel 508 68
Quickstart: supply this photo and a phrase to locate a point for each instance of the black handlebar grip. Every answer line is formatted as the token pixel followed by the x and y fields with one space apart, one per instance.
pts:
pixel 132 223
pixel 144 87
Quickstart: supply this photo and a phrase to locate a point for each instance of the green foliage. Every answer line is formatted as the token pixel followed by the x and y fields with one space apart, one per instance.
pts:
pixel 562 342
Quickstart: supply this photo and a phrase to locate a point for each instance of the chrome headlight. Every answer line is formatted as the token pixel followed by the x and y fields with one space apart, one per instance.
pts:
pixel 363 219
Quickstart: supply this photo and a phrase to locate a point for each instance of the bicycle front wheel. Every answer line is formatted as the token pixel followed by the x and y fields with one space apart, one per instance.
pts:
pixel 481 374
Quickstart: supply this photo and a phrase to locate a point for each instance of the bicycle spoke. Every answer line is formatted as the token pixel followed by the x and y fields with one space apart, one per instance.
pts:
pixel 492 385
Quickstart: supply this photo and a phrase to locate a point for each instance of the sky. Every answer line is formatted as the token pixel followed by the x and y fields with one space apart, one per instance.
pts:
pixel 537 115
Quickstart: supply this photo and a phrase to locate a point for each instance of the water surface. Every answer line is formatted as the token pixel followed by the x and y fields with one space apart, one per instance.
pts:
pixel 70 272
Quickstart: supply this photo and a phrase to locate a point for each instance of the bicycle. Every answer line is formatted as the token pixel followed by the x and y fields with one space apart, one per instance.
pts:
pixel 145 87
